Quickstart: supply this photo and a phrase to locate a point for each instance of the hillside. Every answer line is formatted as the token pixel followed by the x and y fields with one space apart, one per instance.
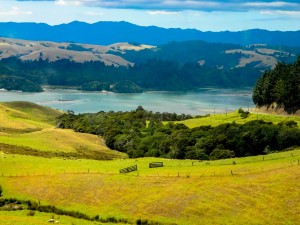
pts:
pixel 251 190
pixel 106 33
pixel 41 179
pixel 53 51
pixel 27 128
pixel 131 67
pixel 127 54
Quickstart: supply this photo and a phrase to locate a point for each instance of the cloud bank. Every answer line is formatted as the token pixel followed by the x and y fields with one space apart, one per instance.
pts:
pixel 179 5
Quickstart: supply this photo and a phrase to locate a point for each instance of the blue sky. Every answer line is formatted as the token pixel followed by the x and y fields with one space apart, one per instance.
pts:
pixel 205 15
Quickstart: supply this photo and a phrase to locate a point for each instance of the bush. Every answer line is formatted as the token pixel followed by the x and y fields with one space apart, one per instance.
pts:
pixel 1 191
pixel 243 114
pixel 31 213
pixel 221 154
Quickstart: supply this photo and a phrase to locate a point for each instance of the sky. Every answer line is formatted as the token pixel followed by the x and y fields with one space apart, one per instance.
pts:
pixel 204 15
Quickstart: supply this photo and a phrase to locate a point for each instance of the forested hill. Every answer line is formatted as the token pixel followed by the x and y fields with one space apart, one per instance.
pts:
pixel 132 67
pixel 105 33
pixel 280 86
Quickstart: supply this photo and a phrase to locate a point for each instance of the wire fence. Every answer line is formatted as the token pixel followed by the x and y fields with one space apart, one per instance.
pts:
pixel 204 170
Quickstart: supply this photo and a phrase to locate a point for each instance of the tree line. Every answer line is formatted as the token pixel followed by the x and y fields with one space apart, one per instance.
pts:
pixel 280 85
pixel 153 74
pixel 141 133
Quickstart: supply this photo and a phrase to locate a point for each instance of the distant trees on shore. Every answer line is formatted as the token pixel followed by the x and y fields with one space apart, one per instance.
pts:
pixel 154 74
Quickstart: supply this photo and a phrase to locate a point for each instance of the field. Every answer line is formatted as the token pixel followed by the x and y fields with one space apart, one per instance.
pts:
pixel 21 218
pixel 215 120
pixel 250 190
pixel 30 126
pixel 253 190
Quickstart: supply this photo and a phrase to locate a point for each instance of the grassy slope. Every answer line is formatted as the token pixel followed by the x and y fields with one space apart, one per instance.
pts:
pixel 258 192
pixel 30 125
pixel 215 120
pixel 21 218
pixel 262 189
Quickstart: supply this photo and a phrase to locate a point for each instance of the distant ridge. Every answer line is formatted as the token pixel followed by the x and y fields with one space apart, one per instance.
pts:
pixel 105 33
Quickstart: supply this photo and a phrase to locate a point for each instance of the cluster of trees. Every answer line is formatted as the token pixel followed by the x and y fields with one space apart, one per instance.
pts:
pixel 141 133
pixel 154 74
pixel 18 83
pixel 280 85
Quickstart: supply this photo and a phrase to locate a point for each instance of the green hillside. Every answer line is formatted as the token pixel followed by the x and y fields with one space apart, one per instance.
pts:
pixel 27 128
pixel 251 190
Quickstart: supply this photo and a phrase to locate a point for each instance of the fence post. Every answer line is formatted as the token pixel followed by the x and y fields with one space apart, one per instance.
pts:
pixel 231 172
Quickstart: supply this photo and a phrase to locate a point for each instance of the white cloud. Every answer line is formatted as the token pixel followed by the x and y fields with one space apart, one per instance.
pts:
pixel 181 5
pixel 161 12
pixel 270 4
pixel 14 11
pixel 281 13
pixel 68 3
pixel 89 13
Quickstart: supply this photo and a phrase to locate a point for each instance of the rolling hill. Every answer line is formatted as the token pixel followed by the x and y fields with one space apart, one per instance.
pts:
pixel 221 55
pixel 27 128
pixel 53 51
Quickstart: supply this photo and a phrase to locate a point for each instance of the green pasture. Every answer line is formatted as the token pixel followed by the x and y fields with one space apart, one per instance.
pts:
pixel 22 165
pixel 22 218
pixel 218 119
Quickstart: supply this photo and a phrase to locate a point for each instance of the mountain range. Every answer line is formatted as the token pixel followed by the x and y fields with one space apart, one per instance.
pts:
pixel 106 33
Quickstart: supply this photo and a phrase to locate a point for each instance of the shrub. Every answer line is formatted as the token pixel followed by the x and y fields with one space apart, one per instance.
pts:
pixel 1 191
pixel 243 114
pixel 221 154
pixel 31 213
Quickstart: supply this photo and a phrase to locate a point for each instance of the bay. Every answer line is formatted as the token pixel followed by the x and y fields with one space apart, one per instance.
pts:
pixel 199 102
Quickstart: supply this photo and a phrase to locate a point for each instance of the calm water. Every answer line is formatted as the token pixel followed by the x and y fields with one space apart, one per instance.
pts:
pixel 202 101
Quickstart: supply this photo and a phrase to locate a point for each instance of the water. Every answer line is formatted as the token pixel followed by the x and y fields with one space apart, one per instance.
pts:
pixel 202 101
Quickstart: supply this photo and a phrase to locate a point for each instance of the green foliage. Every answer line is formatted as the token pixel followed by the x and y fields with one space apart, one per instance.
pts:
pixel 280 85
pixel 243 114
pixel 152 74
pixel 221 154
pixel 140 133
pixel 1 191
pixel 18 83
pixel 31 213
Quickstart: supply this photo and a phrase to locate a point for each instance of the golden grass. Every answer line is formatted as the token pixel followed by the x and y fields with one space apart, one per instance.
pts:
pixel 258 192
